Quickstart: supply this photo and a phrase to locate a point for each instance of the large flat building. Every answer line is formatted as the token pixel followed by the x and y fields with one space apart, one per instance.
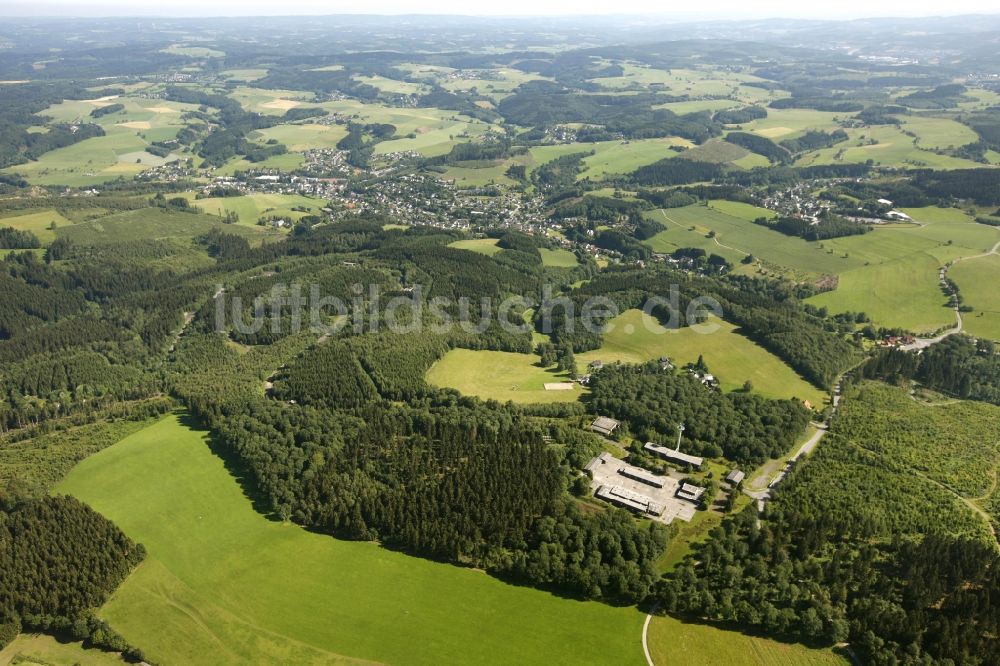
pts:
pixel 673 455
pixel 629 499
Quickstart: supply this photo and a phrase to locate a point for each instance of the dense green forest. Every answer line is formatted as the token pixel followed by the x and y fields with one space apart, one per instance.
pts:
pixel 857 546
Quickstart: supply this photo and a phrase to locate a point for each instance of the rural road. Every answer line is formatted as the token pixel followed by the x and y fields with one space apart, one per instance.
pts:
pixel 645 631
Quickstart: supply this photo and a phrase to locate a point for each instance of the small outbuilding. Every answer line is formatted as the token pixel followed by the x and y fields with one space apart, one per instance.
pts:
pixel 604 425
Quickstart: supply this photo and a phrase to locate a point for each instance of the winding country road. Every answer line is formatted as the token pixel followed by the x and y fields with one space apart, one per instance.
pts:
pixel 924 343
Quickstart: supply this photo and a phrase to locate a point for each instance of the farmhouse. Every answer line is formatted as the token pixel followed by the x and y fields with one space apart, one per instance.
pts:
pixel 604 425
pixel 674 455
pixel 735 477
pixel 690 492
pixel 629 499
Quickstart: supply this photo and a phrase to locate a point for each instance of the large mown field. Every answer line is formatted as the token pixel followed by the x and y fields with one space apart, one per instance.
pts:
pixel 636 337
pixel 224 585
pixel 672 641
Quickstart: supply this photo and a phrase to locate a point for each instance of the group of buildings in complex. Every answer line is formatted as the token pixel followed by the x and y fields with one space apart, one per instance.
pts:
pixel 646 493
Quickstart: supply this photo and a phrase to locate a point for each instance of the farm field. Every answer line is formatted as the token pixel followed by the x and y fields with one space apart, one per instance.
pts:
pixel 890 148
pixel 434 131
pixel 285 162
pixel 37 223
pixel 121 152
pixel 487 246
pixel 557 258
pixel 676 641
pixel 897 283
pixel 225 585
pixel 152 224
pixel 738 236
pixel 939 132
pixel 42 650
pixel 618 157
pixel 478 176
pixel 637 337
pixel 610 157
pixel 392 86
pixel 251 207
pixel 693 106
pixel 901 292
pixel 304 136
pixel 782 124
pixel 271 101
pixel 977 280
pixel 503 376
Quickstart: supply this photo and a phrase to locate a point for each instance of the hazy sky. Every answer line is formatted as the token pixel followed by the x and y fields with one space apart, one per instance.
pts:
pixel 684 10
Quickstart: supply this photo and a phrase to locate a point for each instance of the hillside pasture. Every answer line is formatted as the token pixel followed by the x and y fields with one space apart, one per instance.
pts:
pixel 153 224
pixel 37 223
pixel 635 337
pixel 299 137
pixel 619 157
pixel 977 279
pixel 738 236
pixel 677 641
pixel 43 650
pixel 557 258
pixel 251 207
pixel 487 246
pixel 224 585
pixel 503 376
pixel 886 145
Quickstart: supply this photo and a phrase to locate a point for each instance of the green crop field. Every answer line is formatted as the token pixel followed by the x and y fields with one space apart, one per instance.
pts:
pixel 224 585
pixel 783 124
pixel 719 152
pixel 285 162
pixel 37 223
pixel 558 258
pixel 693 106
pixel 890 273
pixel 153 223
pixel 674 641
pixel 977 279
pixel 731 357
pixel 42 650
pixel 738 236
pixel 897 281
pixel 887 145
pixel 251 207
pixel 304 136
pixel 902 292
pixel 392 86
pixel 244 75
pixel 193 51
pixel 617 157
pixel 487 246
pixel 939 132
pixel 478 176
pixel 503 376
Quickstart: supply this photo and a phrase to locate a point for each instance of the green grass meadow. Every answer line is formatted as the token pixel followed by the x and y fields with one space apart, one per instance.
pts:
pixel 636 337
pixel 487 246
pixel 224 585
pixel 977 280
pixel 673 641
pixel 503 376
